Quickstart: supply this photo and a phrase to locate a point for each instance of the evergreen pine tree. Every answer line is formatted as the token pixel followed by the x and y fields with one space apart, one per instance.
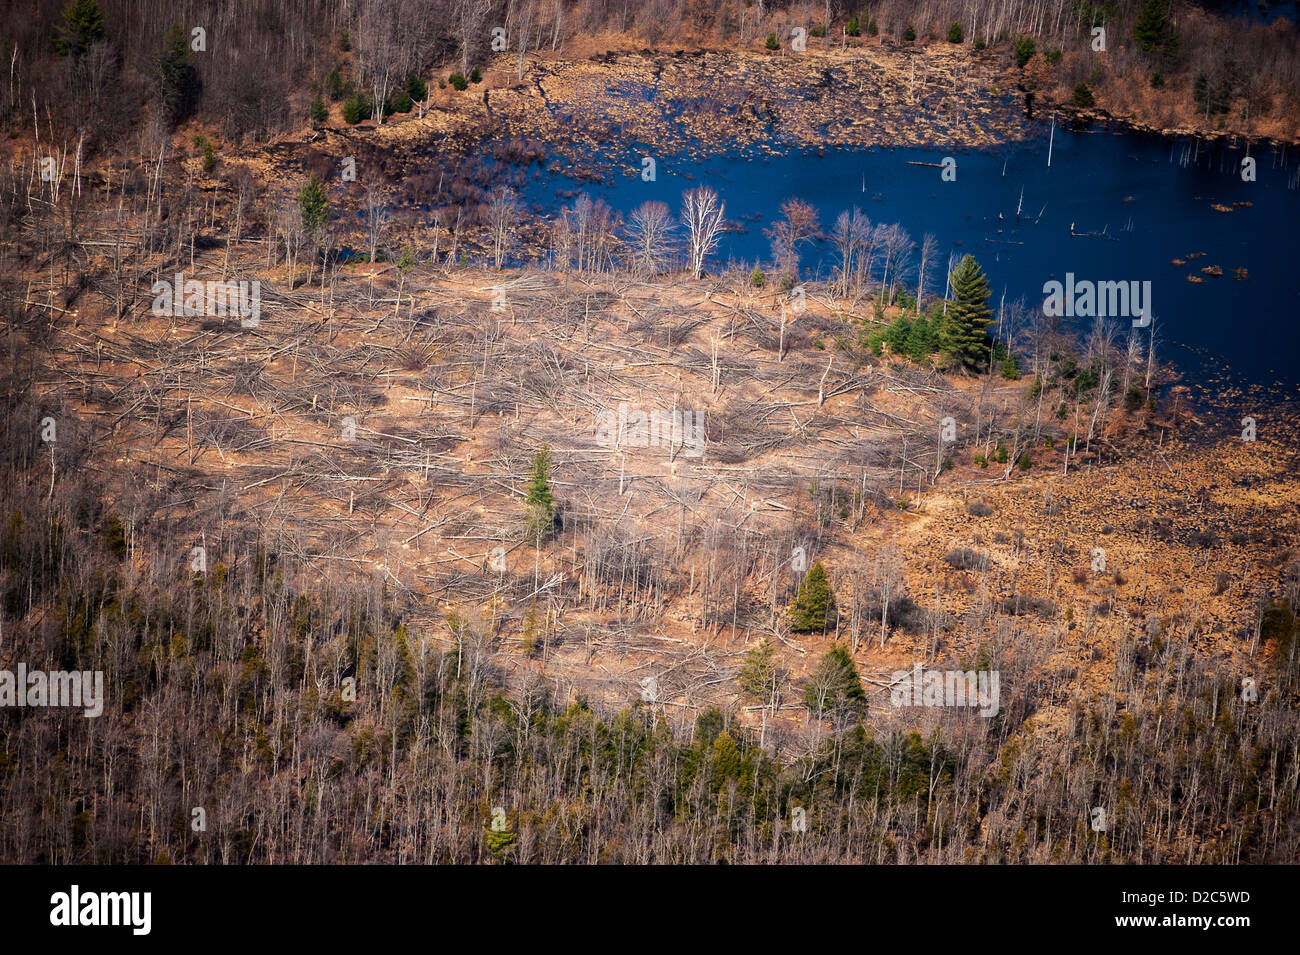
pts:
pixel 835 685
pixel 920 340
pixel 813 608
pixel 499 841
pixel 1025 50
pixel 176 77
pixel 314 203
pixel 532 620
pixel 759 674
pixel 1082 96
pixel 334 83
pixel 898 333
pixel 83 25
pixel 538 499
pixel 726 760
pixel 357 108
pixel 966 330
pixel 1153 28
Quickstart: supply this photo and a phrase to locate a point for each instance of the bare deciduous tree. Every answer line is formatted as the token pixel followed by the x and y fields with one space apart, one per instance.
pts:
pixel 929 249
pixel 471 15
pixel 523 24
pixel 377 216
pixel 702 212
pixel 650 228
pixel 379 54
pixel 503 220
pixel 797 227
pixel 851 233
pixel 889 581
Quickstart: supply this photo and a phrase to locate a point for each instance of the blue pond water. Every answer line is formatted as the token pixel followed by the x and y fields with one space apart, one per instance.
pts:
pixel 1255 11
pixel 1151 195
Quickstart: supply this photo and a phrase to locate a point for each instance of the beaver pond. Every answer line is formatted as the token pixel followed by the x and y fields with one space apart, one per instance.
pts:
pixel 1112 207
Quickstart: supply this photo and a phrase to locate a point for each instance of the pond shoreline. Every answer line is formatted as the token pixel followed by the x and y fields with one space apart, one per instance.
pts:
pixel 1121 124
pixel 736 136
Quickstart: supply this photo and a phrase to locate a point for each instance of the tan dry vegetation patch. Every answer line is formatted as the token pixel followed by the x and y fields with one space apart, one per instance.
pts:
pixel 1173 579
pixel 206 425
pixel 769 103
pixel 703 102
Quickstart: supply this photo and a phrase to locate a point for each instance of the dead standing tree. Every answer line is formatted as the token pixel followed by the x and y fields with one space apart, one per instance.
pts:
pixel 798 227
pixel 379 54
pixel 850 235
pixel 503 220
pixel 377 216
pixel 702 212
pixel 470 17
pixel 650 228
